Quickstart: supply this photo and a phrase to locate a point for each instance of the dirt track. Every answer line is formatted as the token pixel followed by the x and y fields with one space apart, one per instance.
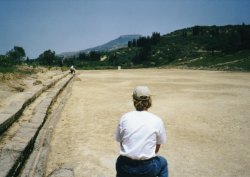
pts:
pixel 206 114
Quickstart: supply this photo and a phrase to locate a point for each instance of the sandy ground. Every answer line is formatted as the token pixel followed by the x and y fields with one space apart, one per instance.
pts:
pixel 206 114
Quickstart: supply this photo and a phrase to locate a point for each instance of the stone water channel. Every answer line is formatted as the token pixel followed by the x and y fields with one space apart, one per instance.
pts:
pixel 25 126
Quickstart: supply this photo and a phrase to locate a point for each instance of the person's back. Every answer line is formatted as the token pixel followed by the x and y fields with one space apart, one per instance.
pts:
pixel 140 134
pixel 72 70
pixel 140 130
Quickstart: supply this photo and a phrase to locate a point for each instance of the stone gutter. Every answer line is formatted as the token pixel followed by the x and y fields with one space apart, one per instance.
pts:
pixel 14 153
pixel 13 111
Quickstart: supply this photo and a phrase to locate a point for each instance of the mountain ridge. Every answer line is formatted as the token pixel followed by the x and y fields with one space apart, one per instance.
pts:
pixel 114 44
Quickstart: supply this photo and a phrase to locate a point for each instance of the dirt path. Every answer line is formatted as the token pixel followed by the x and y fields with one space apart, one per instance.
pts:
pixel 206 114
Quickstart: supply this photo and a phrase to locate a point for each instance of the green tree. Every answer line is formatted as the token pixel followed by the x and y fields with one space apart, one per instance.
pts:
pixel 82 56
pixel 214 31
pixel 4 61
pixel 16 55
pixel 196 30
pixel 143 42
pixel 129 44
pixel 155 38
pixel 27 60
pixel 94 56
pixel 244 32
pixel 48 57
pixel 143 56
pixel 134 43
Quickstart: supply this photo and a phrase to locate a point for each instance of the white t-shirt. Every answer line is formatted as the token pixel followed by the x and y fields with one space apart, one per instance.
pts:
pixel 139 132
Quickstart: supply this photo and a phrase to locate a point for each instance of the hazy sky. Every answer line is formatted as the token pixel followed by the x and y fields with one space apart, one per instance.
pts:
pixel 71 25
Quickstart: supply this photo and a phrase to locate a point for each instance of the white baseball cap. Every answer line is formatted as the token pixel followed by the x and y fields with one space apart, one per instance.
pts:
pixel 141 93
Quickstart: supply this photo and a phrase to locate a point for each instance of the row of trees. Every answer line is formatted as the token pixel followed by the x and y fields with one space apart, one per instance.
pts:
pixel 145 47
pixel 17 56
pixel 48 58
pixel 83 59
pixel 13 57
pixel 91 56
pixel 226 38
pixel 145 41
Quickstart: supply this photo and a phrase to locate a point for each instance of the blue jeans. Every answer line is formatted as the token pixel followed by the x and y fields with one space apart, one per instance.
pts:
pixel 156 166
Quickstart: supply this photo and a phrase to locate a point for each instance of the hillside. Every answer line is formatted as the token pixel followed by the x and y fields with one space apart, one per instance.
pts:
pixel 197 47
pixel 202 47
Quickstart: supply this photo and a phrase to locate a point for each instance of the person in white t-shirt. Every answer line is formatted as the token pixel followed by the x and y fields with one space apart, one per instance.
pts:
pixel 141 134
pixel 72 70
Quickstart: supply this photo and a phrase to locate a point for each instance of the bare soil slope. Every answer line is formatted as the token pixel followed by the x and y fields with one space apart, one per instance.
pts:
pixel 206 114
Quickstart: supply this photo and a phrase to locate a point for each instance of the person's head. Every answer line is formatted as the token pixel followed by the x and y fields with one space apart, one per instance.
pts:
pixel 142 98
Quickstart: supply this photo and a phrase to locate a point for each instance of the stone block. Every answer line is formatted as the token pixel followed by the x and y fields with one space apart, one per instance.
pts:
pixel 18 104
pixel 28 95
pixel 52 94
pixel 7 160
pixel 4 117
pixel 42 108
pixel 13 108
pixel 38 118
pixel 62 172
pixel 31 125
pixel 7 119
pixel 21 140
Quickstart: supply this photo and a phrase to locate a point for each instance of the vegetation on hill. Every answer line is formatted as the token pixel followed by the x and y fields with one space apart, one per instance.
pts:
pixel 216 47
pixel 202 47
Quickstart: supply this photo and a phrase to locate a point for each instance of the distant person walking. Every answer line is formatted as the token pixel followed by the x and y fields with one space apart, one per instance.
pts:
pixel 141 134
pixel 72 70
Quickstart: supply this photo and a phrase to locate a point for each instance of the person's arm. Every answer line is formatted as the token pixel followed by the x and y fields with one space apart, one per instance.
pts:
pixel 161 137
pixel 157 148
